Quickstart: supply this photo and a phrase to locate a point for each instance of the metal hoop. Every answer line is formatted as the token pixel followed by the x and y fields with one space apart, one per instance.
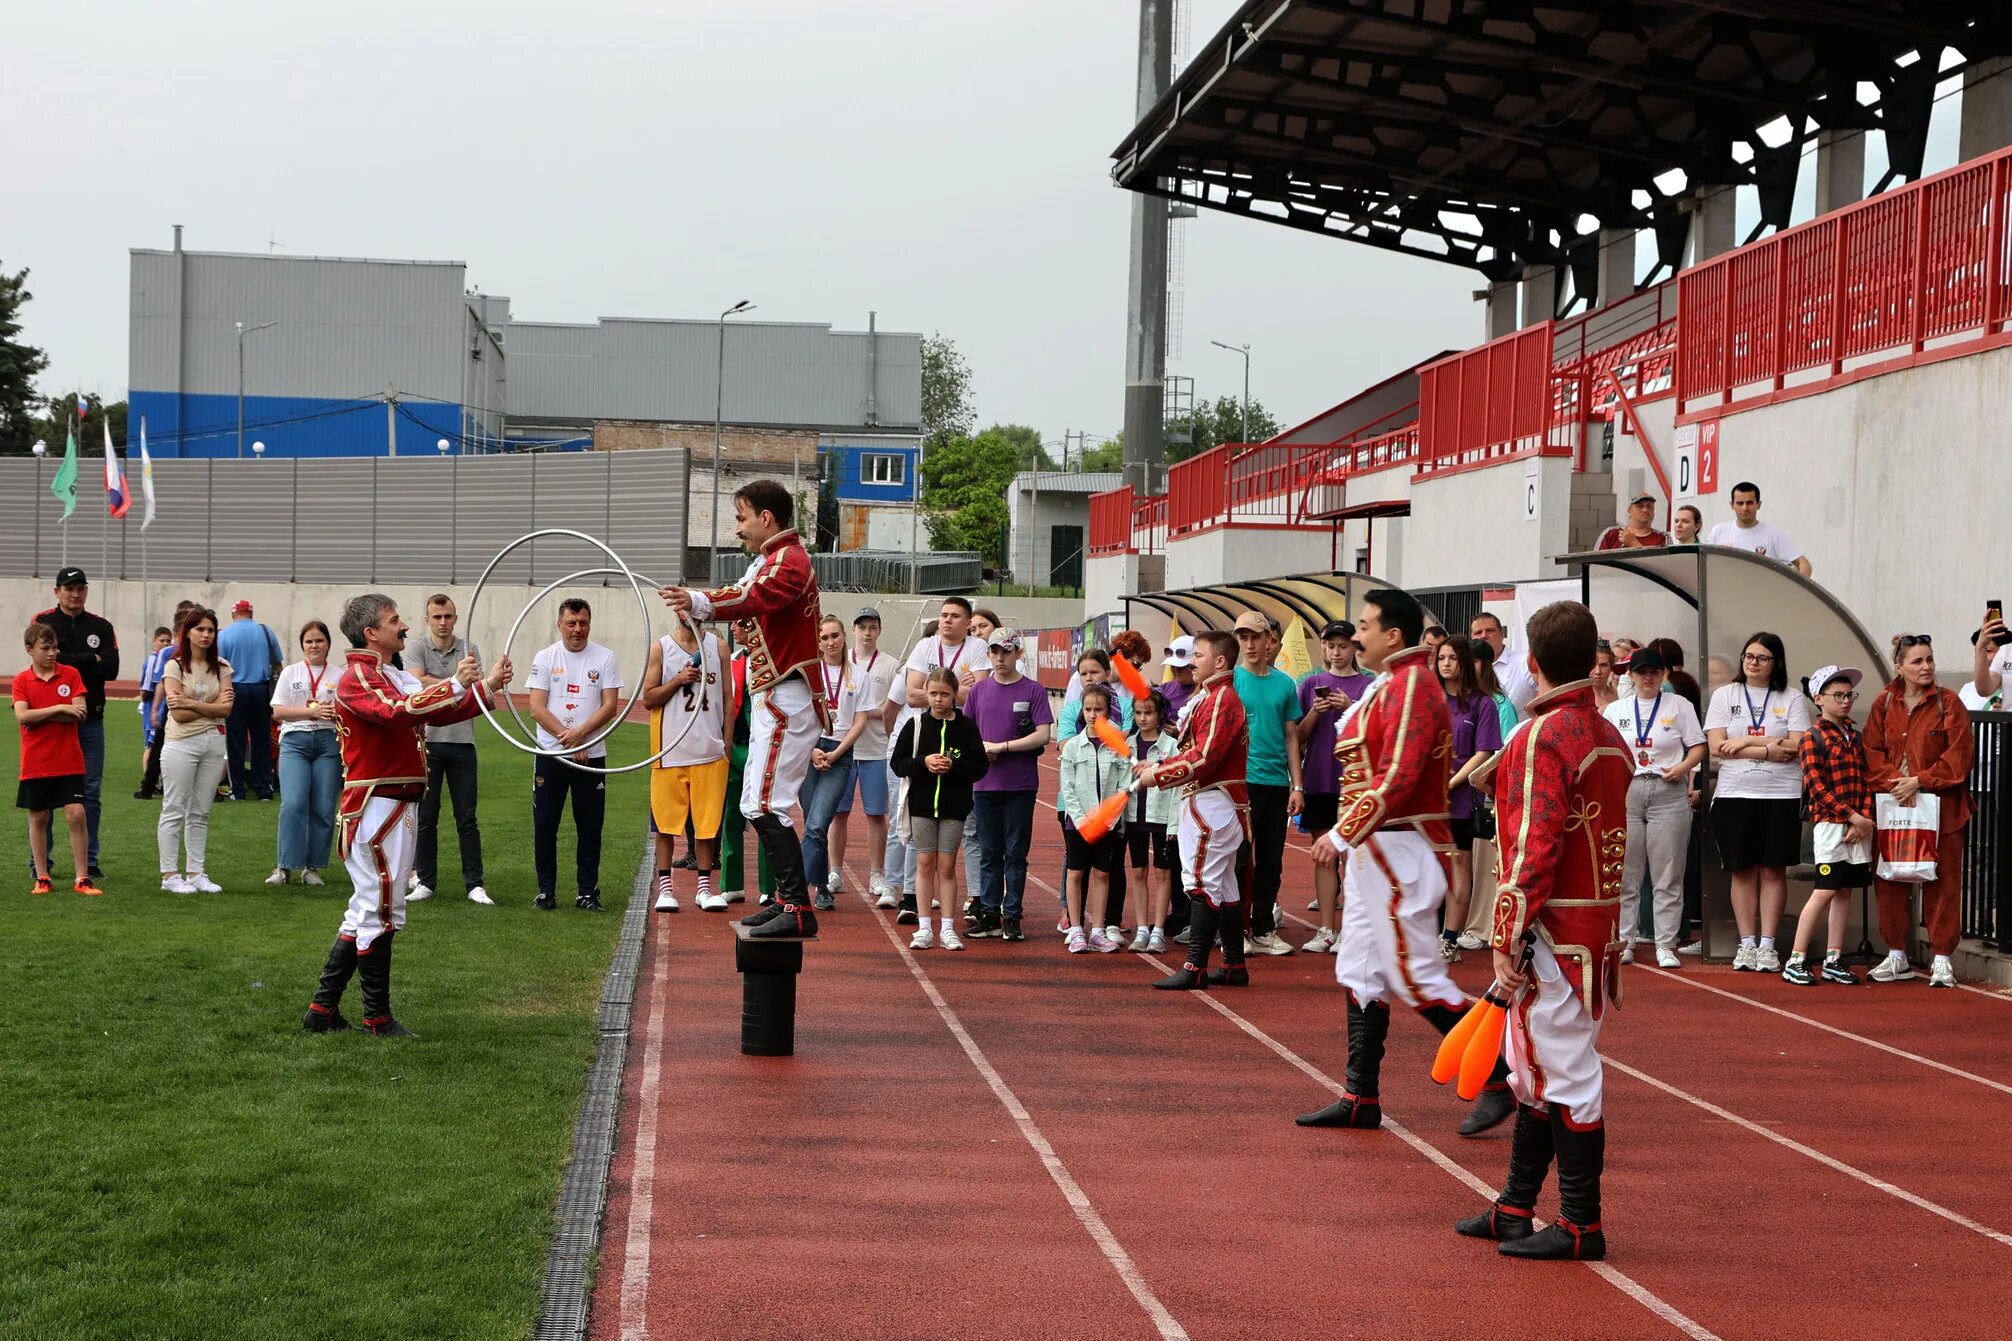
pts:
pixel 529 744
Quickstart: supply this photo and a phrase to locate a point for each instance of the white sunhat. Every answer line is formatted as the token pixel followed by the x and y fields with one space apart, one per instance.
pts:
pixel 1180 652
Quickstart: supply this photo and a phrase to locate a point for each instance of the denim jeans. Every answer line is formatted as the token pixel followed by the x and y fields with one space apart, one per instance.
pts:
pixel 1005 823
pixel 310 783
pixel 822 793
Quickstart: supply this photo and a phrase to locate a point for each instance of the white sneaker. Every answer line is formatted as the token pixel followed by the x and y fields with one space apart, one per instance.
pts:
pixel 923 939
pixel 1746 959
pixel 481 896
pixel 1891 969
pixel 418 893
pixel 1667 958
pixel 199 883
pixel 834 882
pixel 1115 934
pixel 1078 943
pixel 950 940
pixel 411 881
pixel 886 898
pixel 1450 950
pixel 1313 905
pixel 1766 960
pixel 310 876
pixel 1320 942
pixel 1694 948
pixel 1158 944
pixel 1628 953
pixel 1271 943
pixel 172 883
pixel 712 903
pixel 1101 942
pixel 1142 940
pixel 1336 947
pixel 280 876
pixel 1941 973
pixel 1469 941
pixel 876 885
pixel 736 896
pixel 667 902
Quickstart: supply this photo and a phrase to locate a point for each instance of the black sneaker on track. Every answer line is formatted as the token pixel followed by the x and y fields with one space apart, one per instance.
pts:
pixel 1837 971
pixel 823 902
pixel 1798 973
pixel 1009 930
pixel 980 924
pixel 545 902
pixel 906 917
pixel 589 903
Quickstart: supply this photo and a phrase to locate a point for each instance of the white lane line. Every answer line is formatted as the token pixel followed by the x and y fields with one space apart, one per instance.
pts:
pixel 1887 1048
pixel 1620 1280
pixel 1072 1192
pixel 1827 1161
pixel 1997 994
pixel 643 1173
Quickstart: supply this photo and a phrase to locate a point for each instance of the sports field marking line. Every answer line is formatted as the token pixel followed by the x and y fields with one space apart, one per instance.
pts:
pixel 1888 1048
pixel 1999 995
pixel 1836 1165
pixel 643 1175
pixel 1072 1192
pixel 1615 1277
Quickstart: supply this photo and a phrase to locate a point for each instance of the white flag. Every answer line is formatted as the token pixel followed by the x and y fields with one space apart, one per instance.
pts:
pixel 146 476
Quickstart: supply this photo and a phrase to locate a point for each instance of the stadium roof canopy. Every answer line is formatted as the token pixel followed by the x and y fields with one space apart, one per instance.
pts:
pixel 1488 133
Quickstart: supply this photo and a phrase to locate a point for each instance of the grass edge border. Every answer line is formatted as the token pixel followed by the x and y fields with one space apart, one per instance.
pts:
pixel 565 1294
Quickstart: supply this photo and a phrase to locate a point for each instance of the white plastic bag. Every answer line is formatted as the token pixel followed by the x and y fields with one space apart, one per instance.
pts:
pixel 1907 837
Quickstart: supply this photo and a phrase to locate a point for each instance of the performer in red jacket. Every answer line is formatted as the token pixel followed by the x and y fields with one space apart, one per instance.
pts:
pixel 1215 813
pixel 1394 746
pixel 1561 788
pixel 775 612
pixel 382 714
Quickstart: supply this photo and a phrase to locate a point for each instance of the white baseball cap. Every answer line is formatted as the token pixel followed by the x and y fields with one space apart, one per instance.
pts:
pixel 1823 675
pixel 1180 652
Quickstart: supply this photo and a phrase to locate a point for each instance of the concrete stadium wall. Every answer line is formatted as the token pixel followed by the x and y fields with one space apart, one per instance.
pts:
pixel 1238 553
pixel 135 609
pixel 1470 527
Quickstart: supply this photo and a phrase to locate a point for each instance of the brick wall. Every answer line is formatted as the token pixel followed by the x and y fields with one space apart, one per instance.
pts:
pixel 763 446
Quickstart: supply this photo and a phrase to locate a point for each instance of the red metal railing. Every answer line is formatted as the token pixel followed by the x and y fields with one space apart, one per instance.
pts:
pixel 1867 288
pixel 1264 485
pixel 1494 403
pixel 1111 522
pixel 1198 491
pixel 1149 525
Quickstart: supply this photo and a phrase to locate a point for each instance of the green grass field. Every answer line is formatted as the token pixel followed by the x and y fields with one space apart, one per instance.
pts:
pixel 182 1161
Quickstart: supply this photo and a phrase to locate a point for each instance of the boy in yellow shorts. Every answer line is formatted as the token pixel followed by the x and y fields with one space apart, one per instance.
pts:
pixel 686 691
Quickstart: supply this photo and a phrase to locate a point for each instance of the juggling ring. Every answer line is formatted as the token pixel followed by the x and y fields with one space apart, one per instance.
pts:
pixel 530 746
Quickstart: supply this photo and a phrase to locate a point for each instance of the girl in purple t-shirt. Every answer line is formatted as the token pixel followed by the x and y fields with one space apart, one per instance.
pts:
pixel 1477 735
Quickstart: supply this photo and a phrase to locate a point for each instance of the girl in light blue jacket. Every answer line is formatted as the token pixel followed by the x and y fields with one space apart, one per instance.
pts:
pixel 1149 820
pixel 1091 771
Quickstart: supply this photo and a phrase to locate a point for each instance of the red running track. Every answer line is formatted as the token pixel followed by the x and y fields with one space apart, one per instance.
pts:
pixel 1017 1142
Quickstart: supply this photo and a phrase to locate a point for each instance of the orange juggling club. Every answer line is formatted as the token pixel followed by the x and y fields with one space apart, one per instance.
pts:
pixel 1099 821
pixel 1113 736
pixel 1485 1045
pixel 1446 1064
pixel 1128 675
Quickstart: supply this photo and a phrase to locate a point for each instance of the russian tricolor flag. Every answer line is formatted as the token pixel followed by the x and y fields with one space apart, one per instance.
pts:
pixel 116 498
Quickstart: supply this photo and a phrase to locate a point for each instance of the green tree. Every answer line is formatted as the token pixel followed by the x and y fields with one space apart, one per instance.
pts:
pixel 947 408
pixel 1107 455
pixel 1217 422
pixel 20 364
pixel 964 486
pixel 62 413
pixel 1027 448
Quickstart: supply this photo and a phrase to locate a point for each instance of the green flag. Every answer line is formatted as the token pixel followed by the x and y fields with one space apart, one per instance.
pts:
pixel 64 486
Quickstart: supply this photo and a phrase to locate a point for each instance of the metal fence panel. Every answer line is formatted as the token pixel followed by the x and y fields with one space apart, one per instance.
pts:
pixel 373 519
pixel 1987 845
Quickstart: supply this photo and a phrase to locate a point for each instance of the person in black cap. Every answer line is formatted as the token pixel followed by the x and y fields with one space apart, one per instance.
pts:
pixel 1640 531
pixel 89 643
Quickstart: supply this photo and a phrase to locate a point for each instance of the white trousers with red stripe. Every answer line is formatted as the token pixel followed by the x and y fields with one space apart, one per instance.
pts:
pixel 782 731
pixel 1553 1043
pixel 1210 833
pixel 1394 885
pixel 380 858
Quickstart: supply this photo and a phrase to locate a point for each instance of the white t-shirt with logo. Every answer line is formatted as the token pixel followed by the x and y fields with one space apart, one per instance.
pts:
pixel 969 655
pixel 1760 538
pixel 1741 711
pixel 1664 729
pixel 841 689
pixel 872 679
pixel 699 710
pixel 573 683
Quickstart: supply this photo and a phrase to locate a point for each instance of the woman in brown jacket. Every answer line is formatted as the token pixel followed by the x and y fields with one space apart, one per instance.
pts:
pixel 1917 739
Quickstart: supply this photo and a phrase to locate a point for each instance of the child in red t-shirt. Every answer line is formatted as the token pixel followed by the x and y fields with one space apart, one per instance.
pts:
pixel 48 703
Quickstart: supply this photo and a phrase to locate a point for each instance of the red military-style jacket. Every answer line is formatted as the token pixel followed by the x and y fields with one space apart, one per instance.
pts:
pixel 1561 806
pixel 776 613
pixel 382 725
pixel 1396 754
pixel 1214 741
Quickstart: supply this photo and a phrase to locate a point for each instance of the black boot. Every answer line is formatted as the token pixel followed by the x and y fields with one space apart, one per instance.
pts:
pixel 1194 975
pixel 324 1013
pixel 1368 1026
pixel 1495 1103
pixel 1575 1236
pixel 1530 1149
pixel 374 967
pixel 793 914
pixel 768 912
pixel 1230 919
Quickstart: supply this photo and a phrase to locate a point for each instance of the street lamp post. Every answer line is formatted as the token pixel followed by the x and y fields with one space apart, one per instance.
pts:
pixel 243 331
pixel 258 451
pixel 454 515
pixel 719 405
pixel 1244 350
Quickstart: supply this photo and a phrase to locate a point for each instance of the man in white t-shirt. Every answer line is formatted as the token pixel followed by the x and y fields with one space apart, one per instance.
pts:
pixel 1512 668
pixel 575 687
pixel 951 647
pixel 1746 531
pixel 1665 743
pixel 874 673
pixel 686 690
pixel 1991 658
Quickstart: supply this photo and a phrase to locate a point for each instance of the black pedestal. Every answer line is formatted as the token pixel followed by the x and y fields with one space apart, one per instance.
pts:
pixel 768 966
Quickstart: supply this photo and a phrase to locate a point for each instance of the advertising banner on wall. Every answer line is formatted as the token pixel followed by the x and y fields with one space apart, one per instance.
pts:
pixel 1057 657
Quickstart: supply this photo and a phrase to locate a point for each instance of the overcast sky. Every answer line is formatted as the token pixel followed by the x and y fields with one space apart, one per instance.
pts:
pixel 946 164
